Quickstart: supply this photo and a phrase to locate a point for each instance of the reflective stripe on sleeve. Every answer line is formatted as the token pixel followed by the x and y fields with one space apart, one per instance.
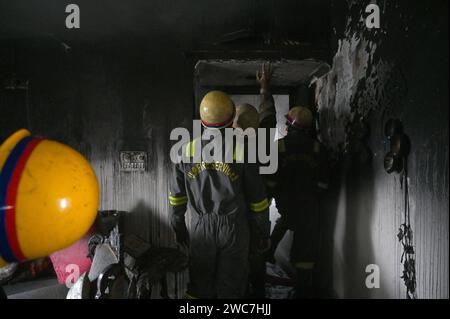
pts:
pixel 176 201
pixel 238 153
pixel 259 206
pixel 190 148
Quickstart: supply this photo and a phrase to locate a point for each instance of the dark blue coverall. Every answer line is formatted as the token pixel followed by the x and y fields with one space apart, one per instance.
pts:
pixel 219 196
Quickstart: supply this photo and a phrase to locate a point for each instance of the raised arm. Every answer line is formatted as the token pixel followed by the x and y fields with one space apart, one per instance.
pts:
pixel 267 112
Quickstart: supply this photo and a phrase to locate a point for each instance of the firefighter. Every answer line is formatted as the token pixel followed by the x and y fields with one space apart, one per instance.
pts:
pixel 301 176
pixel 265 118
pixel 219 196
pixel 246 117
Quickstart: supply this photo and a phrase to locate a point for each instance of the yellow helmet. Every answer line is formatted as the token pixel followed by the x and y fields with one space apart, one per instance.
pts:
pixel 48 197
pixel 300 117
pixel 246 116
pixel 217 110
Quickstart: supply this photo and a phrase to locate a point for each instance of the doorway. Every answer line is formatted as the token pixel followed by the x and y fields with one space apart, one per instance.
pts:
pixel 290 86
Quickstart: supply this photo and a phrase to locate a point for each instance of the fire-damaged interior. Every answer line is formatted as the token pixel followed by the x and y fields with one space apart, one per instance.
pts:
pixel 115 88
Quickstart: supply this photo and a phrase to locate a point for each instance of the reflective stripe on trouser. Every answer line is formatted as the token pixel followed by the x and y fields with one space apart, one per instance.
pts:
pixel 219 256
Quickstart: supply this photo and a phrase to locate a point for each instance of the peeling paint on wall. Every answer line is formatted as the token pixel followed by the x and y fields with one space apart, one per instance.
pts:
pixel 396 71
pixel 353 87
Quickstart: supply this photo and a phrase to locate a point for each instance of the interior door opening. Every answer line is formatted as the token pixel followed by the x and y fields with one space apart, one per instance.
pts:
pixel 289 86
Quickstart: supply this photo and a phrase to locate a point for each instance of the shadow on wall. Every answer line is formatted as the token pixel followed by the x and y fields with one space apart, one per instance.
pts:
pixel 357 240
pixel 133 226
pixel 347 221
pixel 329 211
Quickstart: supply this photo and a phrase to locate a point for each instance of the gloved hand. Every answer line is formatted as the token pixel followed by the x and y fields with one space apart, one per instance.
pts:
pixel 182 234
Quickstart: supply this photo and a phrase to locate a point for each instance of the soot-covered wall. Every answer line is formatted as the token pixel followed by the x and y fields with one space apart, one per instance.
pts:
pixel 398 71
pixel 123 82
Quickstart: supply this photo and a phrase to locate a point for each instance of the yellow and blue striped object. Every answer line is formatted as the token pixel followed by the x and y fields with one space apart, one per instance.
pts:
pixel 48 197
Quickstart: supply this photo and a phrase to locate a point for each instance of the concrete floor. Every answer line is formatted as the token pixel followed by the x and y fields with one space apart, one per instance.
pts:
pixel 46 288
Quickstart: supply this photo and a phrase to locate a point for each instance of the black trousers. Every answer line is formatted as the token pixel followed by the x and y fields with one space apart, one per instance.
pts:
pixel 302 217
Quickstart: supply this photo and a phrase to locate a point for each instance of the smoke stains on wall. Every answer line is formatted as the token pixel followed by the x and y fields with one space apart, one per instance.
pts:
pixel 102 99
pixel 396 71
pixel 122 82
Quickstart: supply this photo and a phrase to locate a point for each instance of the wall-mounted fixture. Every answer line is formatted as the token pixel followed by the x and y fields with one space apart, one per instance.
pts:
pixel 16 84
pixel 394 160
pixel 132 161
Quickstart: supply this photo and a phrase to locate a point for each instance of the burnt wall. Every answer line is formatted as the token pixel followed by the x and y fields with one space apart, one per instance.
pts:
pixel 397 71
pixel 123 81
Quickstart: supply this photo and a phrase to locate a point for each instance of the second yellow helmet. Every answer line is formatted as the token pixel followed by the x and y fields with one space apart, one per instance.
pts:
pixel 300 117
pixel 246 117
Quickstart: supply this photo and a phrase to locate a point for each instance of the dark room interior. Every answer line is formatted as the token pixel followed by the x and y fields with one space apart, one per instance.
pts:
pixel 114 89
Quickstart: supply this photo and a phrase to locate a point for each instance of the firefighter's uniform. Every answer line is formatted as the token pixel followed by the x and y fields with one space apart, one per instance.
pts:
pixel 219 196
pixel 296 186
pixel 302 161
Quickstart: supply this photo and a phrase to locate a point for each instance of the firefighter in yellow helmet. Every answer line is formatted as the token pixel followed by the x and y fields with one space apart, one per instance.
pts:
pixel 247 116
pixel 48 197
pixel 300 117
pixel 217 110
pixel 220 196
pixel 301 175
